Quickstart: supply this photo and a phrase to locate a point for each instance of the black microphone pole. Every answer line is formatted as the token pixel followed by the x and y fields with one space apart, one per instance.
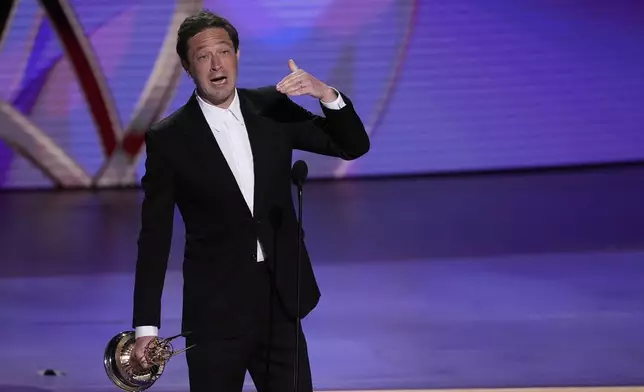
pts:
pixel 275 219
pixel 298 175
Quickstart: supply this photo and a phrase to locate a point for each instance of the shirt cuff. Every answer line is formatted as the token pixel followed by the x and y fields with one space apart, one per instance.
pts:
pixel 337 104
pixel 146 331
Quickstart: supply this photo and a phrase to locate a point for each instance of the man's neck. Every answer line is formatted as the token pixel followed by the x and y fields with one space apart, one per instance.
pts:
pixel 222 105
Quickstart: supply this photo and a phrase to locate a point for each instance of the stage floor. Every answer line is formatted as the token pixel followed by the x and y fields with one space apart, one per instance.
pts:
pixel 514 280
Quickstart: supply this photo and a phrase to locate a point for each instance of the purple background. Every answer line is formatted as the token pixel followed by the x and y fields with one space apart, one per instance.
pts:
pixel 442 86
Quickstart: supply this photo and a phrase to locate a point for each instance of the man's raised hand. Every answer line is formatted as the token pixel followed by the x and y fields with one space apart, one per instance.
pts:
pixel 300 82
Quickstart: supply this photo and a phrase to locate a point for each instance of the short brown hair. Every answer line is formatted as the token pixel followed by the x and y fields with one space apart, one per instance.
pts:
pixel 196 23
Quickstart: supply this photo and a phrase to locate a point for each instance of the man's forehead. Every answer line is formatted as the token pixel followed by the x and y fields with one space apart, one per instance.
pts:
pixel 200 44
pixel 208 43
pixel 211 35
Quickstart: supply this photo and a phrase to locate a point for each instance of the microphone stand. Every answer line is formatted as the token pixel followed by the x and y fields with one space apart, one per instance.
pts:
pixel 275 218
pixel 298 175
pixel 297 292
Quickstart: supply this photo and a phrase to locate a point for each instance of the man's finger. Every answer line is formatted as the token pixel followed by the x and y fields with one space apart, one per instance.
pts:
pixel 302 91
pixel 143 362
pixel 295 85
pixel 289 77
pixel 298 89
pixel 292 66
pixel 293 82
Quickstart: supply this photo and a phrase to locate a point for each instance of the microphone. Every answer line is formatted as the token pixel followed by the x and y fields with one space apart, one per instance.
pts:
pixel 298 174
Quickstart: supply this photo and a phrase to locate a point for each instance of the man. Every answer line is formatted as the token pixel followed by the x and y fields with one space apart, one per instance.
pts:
pixel 224 160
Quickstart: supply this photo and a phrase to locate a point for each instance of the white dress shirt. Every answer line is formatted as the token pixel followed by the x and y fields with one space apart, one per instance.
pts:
pixel 229 129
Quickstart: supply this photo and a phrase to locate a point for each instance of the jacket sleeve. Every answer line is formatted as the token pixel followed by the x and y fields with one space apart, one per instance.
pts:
pixel 155 235
pixel 339 133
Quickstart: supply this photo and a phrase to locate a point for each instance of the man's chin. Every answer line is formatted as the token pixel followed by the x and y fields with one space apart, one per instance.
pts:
pixel 219 96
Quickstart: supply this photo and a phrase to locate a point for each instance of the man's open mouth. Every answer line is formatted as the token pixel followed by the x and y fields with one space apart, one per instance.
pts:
pixel 218 80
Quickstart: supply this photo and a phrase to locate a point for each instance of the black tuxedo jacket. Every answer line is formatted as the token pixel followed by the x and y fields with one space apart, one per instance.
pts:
pixel 186 168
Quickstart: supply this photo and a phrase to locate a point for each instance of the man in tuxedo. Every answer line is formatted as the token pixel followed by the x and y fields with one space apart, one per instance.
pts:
pixel 224 159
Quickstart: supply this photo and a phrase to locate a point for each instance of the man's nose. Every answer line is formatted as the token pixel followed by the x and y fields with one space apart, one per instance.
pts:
pixel 215 64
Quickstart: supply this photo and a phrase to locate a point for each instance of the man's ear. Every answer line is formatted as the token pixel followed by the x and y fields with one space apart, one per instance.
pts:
pixel 237 54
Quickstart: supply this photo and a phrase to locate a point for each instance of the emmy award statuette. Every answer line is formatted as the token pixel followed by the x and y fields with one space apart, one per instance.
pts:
pixel 128 375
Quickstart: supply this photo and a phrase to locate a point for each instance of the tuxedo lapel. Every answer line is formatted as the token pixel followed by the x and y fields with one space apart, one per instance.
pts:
pixel 256 128
pixel 207 152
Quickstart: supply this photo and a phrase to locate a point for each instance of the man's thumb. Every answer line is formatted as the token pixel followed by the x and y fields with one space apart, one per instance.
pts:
pixel 292 66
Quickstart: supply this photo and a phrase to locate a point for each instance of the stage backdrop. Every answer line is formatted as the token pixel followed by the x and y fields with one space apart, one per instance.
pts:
pixel 441 85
